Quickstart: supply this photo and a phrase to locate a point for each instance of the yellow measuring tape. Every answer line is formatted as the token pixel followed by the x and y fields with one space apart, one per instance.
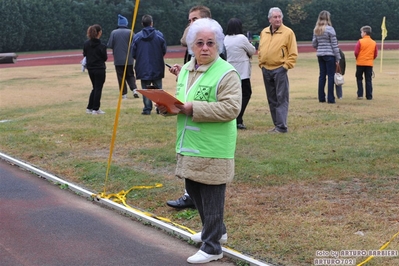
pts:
pixel 121 198
pixel 381 248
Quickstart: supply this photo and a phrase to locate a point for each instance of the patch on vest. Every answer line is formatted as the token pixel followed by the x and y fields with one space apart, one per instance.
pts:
pixel 180 88
pixel 202 93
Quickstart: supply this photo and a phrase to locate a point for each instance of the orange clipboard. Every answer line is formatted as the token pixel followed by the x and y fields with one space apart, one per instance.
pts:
pixel 161 97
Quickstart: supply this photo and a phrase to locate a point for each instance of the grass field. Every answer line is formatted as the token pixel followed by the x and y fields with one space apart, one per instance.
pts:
pixel 330 184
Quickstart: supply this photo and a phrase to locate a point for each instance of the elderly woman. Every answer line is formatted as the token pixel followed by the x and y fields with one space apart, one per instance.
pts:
pixel 210 89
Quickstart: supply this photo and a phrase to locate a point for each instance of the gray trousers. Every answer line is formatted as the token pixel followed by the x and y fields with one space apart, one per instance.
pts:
pixel 209 201
pixel 129 77
pixel 277 92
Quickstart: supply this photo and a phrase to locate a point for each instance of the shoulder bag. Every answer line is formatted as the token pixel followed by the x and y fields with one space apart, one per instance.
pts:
pixel 338 77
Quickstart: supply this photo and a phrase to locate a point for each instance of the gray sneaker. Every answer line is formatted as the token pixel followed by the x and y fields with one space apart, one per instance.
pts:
pixel 98 112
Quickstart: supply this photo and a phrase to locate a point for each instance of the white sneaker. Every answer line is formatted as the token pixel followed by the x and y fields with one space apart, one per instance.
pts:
pixel 135 94
pixel 202 257
pixel 98 112
pixel 197 238
pixel 89 111
pixel 124 96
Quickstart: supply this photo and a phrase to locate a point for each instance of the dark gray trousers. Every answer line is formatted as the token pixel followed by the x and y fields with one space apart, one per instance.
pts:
pixel 277 91
pixel 209 201
pixel 129 77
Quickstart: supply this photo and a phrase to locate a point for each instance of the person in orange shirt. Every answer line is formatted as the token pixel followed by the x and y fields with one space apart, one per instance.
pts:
pixel 365 53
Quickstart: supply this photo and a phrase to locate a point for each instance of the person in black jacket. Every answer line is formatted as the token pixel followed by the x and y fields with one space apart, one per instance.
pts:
pixel 96 55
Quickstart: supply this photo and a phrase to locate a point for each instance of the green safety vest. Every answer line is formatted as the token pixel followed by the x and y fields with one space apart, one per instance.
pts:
pixel 204 139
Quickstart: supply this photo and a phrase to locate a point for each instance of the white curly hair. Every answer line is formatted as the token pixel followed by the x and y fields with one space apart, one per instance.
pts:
pixel 205 24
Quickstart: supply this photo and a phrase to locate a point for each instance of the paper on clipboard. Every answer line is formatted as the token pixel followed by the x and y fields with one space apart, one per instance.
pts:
pixel 161 97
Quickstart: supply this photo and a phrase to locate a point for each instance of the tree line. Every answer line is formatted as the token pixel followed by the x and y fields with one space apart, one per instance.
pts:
pixel 36 25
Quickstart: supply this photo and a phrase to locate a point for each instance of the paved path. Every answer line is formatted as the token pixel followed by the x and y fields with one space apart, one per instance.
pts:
pixel 41 224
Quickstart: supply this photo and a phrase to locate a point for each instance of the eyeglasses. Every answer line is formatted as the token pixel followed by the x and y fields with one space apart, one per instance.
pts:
pixel 200 44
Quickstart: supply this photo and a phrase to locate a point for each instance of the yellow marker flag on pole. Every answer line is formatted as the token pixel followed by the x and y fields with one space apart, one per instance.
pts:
pixel 384 31
pixel 384 34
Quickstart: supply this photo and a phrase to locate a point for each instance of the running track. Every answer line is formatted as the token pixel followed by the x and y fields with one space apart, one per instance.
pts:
pixel 74 56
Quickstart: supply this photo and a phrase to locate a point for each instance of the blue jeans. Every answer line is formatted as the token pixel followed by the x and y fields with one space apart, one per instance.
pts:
pixel 368 73
pixel 147 102
pixel 338 91
pixel 327 68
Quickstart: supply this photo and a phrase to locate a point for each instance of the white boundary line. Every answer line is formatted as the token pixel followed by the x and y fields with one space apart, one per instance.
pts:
pixel 154 222
pixel 47 57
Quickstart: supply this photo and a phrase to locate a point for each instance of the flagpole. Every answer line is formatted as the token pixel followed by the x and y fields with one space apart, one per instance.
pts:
pixel 382 53
pixel 384 34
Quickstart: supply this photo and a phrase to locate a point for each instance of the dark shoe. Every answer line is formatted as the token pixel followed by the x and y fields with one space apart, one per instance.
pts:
pixel 181 203
pixel 135 94
pixel 241 126
pixel 145 113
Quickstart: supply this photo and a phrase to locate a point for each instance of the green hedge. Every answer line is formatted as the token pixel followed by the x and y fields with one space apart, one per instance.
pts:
pixel 33 25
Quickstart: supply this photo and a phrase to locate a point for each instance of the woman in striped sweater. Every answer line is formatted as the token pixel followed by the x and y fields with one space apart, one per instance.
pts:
pixel 325 41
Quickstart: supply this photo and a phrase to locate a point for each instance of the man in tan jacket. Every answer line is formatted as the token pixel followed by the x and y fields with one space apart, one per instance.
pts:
pixel 277 53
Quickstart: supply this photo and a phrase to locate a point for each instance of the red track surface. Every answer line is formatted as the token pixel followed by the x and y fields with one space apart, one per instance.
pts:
pixel 74 57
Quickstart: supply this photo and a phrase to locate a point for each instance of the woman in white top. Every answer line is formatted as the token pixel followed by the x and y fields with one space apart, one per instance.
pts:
pixel 239 52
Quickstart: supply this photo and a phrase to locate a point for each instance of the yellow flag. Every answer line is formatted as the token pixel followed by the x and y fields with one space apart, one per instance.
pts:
pixel 384 31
